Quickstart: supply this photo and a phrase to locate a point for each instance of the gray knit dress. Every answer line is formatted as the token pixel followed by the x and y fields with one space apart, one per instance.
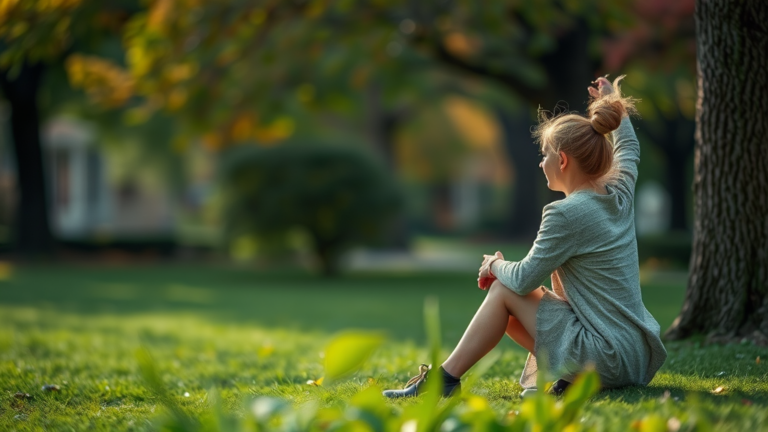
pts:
pixel 594 314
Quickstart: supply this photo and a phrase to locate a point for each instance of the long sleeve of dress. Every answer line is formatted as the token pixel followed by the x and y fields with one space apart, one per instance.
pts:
pixel 626 157
pixel 554 244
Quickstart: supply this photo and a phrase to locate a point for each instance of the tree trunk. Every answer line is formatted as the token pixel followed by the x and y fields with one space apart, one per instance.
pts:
pixel 728 282
pixel 382 125
pixel 526 204
pixel 569 72
pixel 31 234
pixel 675 139
pixel 678 187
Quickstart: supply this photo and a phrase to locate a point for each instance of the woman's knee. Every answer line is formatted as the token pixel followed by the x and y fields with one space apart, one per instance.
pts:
pixel 499 289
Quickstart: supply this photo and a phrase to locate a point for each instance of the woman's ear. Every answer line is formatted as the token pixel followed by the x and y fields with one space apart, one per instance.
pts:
pixel 563 160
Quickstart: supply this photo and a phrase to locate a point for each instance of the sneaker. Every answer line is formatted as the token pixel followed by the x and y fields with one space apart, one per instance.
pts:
pixel 558 388
pixel 414 386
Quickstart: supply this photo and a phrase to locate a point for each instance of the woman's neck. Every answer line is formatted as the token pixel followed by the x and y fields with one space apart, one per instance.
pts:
pixel 592 185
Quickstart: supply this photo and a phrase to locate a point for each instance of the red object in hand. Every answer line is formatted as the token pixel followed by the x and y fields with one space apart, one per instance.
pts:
pixel 485 282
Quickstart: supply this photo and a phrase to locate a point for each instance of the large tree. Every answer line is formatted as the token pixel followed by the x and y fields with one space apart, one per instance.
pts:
pixel 34 37
pixel 727 296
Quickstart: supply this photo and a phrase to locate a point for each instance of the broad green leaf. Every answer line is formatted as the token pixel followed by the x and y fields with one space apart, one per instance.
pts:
pixel 371 400
pixel 432 327
pixel 348 351
pixel 148 368
pixel 584 387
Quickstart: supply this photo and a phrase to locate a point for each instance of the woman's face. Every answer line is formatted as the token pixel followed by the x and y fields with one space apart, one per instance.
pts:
pixel 550 164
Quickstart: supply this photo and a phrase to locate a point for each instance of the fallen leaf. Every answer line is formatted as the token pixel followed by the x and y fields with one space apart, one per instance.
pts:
pixel 20 395
pixel 757 360
pixel 718 390
pixel 51 388
pixel 316 383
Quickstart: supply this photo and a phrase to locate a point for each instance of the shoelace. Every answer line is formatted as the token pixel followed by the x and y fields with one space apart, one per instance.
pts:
pixel 423 369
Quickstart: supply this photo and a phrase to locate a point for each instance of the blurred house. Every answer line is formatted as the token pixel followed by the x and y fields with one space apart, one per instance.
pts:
pixel 87 202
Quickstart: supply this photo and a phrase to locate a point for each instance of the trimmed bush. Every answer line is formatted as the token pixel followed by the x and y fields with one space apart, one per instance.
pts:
pixel 339 196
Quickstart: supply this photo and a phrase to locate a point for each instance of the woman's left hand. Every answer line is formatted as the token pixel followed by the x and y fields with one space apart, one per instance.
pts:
pixel 485 268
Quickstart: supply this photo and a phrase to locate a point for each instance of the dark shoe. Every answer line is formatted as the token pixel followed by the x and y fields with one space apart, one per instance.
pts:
pixel 415 385
pixel 558 388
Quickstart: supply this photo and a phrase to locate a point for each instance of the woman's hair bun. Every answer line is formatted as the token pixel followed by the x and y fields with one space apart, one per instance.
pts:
pixel 606 117
pixel 606 112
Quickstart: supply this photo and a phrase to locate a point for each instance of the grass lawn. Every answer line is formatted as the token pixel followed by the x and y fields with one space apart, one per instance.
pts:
pixel 248 333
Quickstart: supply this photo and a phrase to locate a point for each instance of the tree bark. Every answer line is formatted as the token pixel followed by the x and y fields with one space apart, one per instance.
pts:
pixel 728 281
pixel 526 211
pixel 31 234
pixel 569 70
pixel 382 125
pixel 566 90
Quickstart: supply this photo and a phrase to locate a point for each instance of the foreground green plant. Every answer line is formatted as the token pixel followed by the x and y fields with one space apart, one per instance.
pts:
pixel 368 410
pixel 205 327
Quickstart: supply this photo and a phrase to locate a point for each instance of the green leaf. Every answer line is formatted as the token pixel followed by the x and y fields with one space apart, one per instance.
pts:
pixel 348 351
pixel 432 326
pixel 148 368
pixel 370 398
pixel 584 387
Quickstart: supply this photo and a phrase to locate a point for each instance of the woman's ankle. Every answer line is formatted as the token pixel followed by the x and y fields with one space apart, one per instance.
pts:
pixel 448 377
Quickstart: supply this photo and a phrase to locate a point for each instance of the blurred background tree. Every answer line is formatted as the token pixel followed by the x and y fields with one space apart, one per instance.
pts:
pixel 219 75
pixel 236 70
pixel 35 38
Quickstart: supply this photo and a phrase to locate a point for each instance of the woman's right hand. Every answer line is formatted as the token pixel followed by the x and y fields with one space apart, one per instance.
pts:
pixel 604 88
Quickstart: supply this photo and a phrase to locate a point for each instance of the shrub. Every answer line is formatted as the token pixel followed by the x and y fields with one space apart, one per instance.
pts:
pixel 338 196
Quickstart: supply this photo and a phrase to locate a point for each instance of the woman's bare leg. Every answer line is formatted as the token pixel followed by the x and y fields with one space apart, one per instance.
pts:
pixel 519 334
pixel 490 323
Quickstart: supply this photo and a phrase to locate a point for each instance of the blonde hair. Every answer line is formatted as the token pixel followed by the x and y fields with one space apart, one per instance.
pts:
pixel 585 139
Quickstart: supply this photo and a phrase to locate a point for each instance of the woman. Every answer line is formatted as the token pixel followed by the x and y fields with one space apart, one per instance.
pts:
pixel 594 314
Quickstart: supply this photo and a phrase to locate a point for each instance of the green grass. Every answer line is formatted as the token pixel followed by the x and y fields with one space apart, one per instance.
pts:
pixel 247 333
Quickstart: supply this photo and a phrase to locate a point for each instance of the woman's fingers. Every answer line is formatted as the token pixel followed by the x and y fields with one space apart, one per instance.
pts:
pixel 604 87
